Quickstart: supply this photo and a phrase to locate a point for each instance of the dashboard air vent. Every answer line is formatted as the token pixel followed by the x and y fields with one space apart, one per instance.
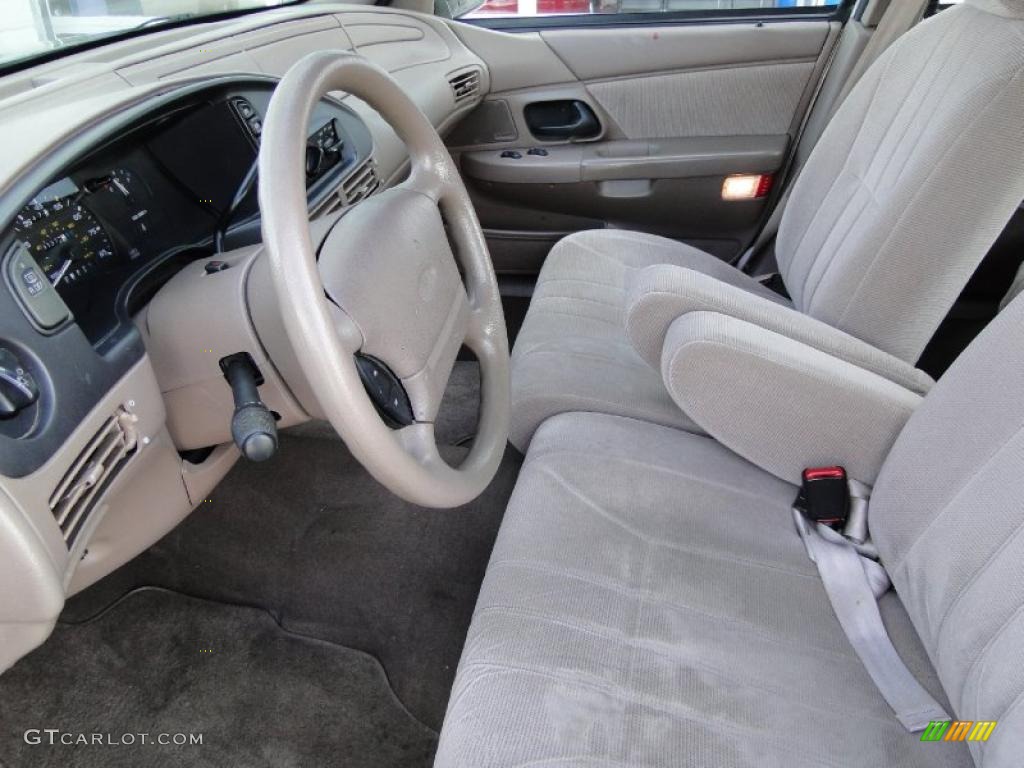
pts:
pixel 332 204
pixel 466 85
pixel 362 183
pixel 97 466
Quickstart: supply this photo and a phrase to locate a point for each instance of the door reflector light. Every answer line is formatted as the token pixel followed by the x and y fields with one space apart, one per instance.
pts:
pixel 747 187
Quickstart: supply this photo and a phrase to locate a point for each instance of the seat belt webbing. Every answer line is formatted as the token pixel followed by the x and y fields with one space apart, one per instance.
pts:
pixel 853 584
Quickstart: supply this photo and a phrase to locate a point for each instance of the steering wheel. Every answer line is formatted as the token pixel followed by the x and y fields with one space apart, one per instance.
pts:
pixel 387 285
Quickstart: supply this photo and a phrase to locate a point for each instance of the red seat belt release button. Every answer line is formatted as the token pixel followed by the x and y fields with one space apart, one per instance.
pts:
pixel 825 496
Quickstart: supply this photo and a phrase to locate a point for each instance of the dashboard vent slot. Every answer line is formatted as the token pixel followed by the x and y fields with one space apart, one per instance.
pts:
pixel 332 204
pixel 361 184
pixel 93 471
pixel 466 85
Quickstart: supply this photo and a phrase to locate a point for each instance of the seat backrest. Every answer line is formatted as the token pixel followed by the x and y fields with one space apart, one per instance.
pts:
pixel 947 515
pixel 915 177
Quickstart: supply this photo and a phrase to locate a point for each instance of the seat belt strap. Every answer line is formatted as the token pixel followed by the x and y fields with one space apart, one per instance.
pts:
pixel 854 584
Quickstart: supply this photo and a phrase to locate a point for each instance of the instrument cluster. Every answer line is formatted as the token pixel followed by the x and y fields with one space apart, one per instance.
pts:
pixel 170 186
pixel 64 230
pixel 90 232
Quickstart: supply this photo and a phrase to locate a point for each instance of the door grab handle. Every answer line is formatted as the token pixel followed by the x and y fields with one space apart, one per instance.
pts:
pixel 560 120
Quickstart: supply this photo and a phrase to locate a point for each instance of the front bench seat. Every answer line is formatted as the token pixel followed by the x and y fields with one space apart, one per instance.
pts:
pixel 649 602
pixel 907 190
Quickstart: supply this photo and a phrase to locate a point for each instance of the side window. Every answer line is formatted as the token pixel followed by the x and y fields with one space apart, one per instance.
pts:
pixel 473 9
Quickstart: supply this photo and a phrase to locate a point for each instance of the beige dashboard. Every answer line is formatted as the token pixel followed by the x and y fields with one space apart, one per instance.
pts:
pixel 139 422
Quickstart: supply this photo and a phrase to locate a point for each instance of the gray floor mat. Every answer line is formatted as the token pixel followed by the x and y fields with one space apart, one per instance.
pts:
pixel 158 662
pixel 315 540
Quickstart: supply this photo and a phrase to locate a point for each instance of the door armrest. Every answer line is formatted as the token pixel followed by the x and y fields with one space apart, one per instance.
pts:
pixel 628 160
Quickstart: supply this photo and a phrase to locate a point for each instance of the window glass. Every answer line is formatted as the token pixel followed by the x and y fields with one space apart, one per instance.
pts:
pixel 530 8
pixel 33 27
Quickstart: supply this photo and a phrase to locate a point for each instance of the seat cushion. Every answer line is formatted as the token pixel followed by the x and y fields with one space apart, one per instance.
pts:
pixel 573 354
pixel 649 603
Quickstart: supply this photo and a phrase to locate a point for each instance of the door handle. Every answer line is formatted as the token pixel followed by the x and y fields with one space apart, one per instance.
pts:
pixel 564 119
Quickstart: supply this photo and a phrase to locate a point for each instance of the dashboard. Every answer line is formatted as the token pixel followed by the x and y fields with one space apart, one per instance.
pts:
pixel 126 176
pixel 177 186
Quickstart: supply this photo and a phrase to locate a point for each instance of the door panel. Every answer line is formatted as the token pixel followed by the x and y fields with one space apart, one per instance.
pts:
pixel 680 108
pixel 593 54
pixel 726 101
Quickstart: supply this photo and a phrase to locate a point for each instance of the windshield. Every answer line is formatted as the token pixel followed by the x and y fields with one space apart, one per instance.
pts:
pixel 32 28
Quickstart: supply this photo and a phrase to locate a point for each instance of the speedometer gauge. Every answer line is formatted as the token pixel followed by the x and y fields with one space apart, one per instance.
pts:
pixel 65 238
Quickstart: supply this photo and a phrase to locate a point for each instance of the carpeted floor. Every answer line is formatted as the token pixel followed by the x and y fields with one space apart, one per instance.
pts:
pixel 160 663
pixel 318 546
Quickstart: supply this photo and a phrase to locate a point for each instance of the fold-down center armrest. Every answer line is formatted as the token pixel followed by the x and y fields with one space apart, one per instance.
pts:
pixel 780 403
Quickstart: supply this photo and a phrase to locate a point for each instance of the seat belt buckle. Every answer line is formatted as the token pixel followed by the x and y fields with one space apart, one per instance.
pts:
pixel 825 496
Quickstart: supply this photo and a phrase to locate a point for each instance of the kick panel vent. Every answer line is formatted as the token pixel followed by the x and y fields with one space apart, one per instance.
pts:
pixel 466 85
pixel 361 184
pixel 92 472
